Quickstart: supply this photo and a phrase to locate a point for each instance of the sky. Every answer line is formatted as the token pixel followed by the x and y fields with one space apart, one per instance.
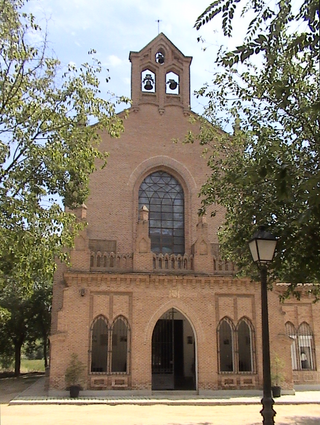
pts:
pixel 115 27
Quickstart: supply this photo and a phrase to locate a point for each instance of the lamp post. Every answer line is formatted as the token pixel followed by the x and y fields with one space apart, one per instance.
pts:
pixel 262 247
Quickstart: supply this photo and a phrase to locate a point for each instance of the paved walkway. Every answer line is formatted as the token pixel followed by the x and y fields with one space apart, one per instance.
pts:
pixel 36 394
pixel 34 407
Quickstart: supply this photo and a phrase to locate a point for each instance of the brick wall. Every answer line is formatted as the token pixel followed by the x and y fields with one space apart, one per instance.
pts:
pixel 131 282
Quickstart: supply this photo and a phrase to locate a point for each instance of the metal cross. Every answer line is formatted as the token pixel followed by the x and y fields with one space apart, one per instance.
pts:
pixel 159 20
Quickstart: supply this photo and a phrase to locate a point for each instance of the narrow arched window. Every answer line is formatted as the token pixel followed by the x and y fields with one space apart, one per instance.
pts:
pixel 306 351
pixel 99 345
pixel 162 194
pixel 172 83
pixel 226 348
pixel 245 347
pixel 148 81
pixel 120 345
pixel 292 334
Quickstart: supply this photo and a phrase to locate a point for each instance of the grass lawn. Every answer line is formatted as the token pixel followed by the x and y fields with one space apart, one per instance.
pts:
pixel 28 366
pixel 32 365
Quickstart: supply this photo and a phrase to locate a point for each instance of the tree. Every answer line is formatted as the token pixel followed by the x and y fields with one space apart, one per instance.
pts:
pixel 264 33
pixel 268 171
pixel 40 317
pixel 6 353
pixel 14 330
pixel 28 319
pixel 50 119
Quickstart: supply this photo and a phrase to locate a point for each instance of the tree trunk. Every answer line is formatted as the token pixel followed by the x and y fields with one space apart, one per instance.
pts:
pixel 17 358
pixel 45 355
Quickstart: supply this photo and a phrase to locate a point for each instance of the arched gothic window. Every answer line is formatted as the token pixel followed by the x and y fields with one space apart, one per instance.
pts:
pixel 245 346
pixel 302 346
pixel 99 345
pixel 292 334
pixel 306 347
pixel 236 352
pixel 120 333
pixel 226 347
pixel 110 345
pixel 162 194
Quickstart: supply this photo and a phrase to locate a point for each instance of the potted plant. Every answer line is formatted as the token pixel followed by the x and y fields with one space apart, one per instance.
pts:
pixel 276 375
pixel 74 375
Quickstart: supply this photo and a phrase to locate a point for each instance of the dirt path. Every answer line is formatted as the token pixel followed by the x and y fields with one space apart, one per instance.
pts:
pixel 307 414
pixel 154 415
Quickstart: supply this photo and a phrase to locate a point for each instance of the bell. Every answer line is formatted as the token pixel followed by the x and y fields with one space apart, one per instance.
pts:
pixel 172 84
pixel 160 58
pixel 148 80
pixel 148 85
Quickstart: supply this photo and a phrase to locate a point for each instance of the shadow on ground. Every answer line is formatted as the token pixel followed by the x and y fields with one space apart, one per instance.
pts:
pixel 294 420
pixel 301 420
pixel 194 423
pixel 11 386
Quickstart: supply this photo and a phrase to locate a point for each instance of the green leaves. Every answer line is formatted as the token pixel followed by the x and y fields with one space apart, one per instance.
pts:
pixel 25 317
pixel 265 29
pixel 226 7
pixel 50 120
pixel 269 173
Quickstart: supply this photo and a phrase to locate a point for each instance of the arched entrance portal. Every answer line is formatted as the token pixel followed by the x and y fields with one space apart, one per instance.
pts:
pixel 173 353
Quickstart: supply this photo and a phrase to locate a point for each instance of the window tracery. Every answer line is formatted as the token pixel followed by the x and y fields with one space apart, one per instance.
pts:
pixel 162 194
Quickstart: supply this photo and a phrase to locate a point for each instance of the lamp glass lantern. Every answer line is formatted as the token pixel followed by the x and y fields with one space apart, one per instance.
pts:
pixel 262 246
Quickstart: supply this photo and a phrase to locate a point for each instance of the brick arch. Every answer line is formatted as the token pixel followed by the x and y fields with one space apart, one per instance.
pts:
pixel 123 318
pixel 229 321
pixel 163 162
pixel 150 60
pixel 149 66
pixel 247 321
pixel 187 311
pixel 180 172
pixel 163 48
pixel 96 318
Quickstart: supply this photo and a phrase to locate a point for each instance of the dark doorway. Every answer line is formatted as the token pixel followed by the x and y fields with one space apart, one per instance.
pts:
pixel 173 353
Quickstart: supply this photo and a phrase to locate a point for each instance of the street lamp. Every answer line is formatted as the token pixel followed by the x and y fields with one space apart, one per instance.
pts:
pixel 262 247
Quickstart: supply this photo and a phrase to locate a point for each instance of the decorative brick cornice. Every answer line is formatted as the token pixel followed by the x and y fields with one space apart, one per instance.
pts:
pixel 117 281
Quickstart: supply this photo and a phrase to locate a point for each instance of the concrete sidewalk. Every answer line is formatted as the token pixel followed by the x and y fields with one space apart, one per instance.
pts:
pixel 37 394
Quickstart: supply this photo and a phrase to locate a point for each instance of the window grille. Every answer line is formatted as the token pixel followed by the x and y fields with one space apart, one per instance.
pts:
pixel 99 345
pixel 302 346
pixel 226 348
pixel 306 347
pixel 120 346
pixel 173 353
pixel 162 194
pixel 245 348
pixel 110 346
pixel 236 346
pixel 291 332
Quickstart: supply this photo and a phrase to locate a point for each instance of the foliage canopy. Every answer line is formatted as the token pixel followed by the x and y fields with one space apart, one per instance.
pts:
pixel 268 171
pixel 50 120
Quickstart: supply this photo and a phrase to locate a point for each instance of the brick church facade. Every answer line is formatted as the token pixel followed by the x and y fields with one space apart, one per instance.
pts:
pixel 147 303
